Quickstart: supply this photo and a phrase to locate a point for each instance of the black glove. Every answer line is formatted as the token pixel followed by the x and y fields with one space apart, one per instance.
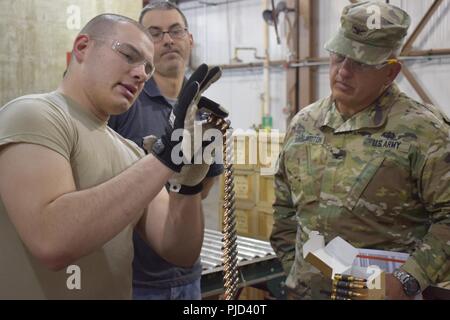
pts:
pixel 189 180
pixel 183 116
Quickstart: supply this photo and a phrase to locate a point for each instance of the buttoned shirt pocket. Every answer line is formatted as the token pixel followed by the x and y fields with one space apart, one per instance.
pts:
pixel 304 163
pixel 362 180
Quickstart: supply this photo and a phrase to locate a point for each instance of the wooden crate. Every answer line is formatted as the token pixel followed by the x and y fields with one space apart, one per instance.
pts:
pixel 254 222
pixel 253 149
pixel 266 190
pixel 245 185
pixel 269 148
pixel 249 293
pixel 245 150
pixel 265 222
pixel 246 219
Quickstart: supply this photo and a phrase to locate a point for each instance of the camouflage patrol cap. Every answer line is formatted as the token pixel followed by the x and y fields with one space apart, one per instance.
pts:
pixel 370 32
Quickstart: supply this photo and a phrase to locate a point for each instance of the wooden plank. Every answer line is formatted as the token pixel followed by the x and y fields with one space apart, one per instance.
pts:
pixel 407 48
pixel 408 44
pixel 305 52
pixel 420 91
pixel 292 96
pixel 429 52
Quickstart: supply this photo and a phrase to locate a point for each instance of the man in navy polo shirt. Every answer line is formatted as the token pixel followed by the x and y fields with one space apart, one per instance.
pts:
pixel 153 277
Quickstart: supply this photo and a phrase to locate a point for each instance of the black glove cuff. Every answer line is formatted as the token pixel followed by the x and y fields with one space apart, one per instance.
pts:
pixel 182 189
pixel 162 149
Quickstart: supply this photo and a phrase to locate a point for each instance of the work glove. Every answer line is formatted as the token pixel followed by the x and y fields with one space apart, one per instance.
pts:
pixel 182 119
pixel 189 180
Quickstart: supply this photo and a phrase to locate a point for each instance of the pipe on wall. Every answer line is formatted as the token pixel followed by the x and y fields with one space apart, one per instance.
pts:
pixel 266 65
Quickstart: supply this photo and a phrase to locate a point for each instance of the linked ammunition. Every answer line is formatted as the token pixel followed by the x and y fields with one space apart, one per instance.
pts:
pixel 352 285
pixel 346 293
pixel 346 277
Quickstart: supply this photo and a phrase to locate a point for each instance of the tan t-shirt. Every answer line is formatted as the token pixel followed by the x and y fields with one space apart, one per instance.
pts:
pixel 96 154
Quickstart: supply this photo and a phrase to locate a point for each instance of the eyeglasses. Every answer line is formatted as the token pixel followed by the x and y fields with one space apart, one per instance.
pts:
pixel 175 33
pixel 356 66
pixel 132 56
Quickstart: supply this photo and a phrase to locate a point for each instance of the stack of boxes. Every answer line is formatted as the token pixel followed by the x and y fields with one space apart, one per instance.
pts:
pixel 255 156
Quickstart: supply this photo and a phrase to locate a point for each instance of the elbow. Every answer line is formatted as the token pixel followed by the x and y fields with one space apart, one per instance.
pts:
pixel 55 264
pixel 52 258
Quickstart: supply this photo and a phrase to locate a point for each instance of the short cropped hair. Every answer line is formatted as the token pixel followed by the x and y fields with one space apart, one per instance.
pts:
pixel 162 5
pixel 105 24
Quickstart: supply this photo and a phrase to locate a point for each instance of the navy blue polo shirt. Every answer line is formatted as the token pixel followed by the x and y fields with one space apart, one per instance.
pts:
pixel 149 116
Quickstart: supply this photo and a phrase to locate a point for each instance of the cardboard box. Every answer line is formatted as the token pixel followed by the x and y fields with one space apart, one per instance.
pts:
pixel 265 222
pixel 338 256
pixel 246 219
pixel 245 150
pixel 269 148
pixel 266 190
pixel 254 222
pixel 257 149
pixel 245 186
pixel 250 293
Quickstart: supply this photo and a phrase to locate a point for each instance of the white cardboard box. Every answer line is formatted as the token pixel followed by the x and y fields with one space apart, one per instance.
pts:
pixel 338 256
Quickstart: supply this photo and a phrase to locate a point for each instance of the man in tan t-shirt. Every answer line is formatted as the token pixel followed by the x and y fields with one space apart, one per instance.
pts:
pixel 72 189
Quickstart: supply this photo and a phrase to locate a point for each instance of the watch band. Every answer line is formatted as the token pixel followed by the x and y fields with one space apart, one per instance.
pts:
pixel 182 189
pixel 410 285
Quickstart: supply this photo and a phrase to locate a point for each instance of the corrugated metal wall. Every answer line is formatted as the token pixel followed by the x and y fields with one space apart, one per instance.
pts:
pixel 218 29
pixel 433 74
pixel 35 38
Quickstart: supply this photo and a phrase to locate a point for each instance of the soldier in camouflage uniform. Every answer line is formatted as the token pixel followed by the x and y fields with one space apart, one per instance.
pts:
pixel 368 163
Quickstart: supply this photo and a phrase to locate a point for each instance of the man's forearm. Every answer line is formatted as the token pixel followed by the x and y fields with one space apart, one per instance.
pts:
pixel 174 228
pixel 78 222
pixel 429 264
pixel 282 240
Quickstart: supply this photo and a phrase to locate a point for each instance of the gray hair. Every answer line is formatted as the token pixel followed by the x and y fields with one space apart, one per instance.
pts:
pixel 162 5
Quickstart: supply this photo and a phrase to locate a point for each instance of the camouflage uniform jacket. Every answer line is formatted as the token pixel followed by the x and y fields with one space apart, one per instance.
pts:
pixel 379 180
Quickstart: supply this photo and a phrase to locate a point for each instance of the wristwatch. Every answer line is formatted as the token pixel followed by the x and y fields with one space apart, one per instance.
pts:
pixel 410 284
